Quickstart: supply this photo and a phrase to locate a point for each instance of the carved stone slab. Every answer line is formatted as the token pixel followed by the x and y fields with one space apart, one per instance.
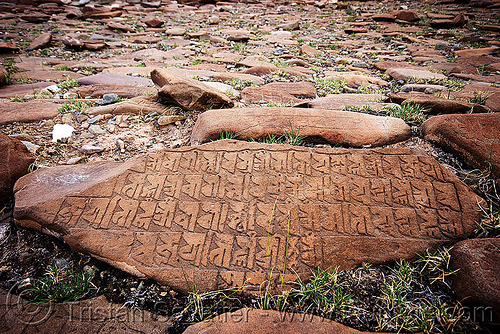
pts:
pixel 223 213
pixel 335 127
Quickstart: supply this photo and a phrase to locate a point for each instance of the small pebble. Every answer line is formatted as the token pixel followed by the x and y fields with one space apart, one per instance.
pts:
pixel 89 149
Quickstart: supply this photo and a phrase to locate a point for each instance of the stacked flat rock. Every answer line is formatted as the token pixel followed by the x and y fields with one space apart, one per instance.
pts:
pixel 231 209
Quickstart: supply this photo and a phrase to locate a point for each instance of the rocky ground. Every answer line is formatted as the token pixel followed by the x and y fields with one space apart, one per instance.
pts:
pixel 107 71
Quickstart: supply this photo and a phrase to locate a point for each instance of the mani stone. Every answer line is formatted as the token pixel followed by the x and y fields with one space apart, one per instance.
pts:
pixel 250 321
pixel 229 212
pixel 319 125
pixel 477 281
pixel 475 138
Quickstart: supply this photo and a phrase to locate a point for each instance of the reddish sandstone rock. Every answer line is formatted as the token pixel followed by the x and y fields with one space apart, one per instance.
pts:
pixel 297 89
pixel 475 138
pixel 407 15
pixel 404 74
pixel 477 281
pixel 116 79
pixel 72 42
pixel 41 41
pixel 91 316
pixel 459 21
pixel 385 17
pixel 476 52
pixel 14 162
pixel 387 64
pixel 250 321
pixel 334 127
pixel 220 210
pixel 138 105
pixel 29 111
pixel 23 90
pixel 265 94
pixel 3 76
pixel 188 93
pixel 8 47
pixel 339 101
pixel 437 105
pixel 125 91
pixel 35 17
pixel 154 23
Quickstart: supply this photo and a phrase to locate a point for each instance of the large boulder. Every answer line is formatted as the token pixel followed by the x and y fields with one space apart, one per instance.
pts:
pixel 14 162
pixel 188 93
pixel 230 212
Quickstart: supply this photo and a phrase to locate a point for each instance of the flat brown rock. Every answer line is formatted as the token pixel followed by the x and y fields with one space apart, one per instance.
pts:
pixel 339 101
pixel 334 127
pixel 138 105
pixel 404 73
pixel 251 321
pixel 24 89
pixel 125 91
pixel 14 162
pixel 229 212
pixel 116 79
pixel 475 138
pixel 477 281
pixel 30 111
pixel 267 94
pixel 437 105
pixel 91 316
pixel 41 41
pixel 188 93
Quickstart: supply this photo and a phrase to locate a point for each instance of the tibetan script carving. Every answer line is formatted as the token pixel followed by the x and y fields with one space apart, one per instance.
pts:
pixel 228 210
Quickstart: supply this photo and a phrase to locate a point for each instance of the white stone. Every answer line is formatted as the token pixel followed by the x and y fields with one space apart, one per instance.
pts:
pixel 61 131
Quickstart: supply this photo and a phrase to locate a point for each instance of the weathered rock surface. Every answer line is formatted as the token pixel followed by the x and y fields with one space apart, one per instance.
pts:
pixel 24 89
pixel 459 21
pixel 334 127
pixel 115 79
pixel 221 209
pixel 477 281
pixel 437 105
pixel 138 105
pixel 250 321
pixel 404 73
pixel 14 162
pixel 125 91
pixel 91 316
pixel 266 94
pixel 41 41
pixel 339 101
pixel 188 93
pixel 29 111
pixel 475 138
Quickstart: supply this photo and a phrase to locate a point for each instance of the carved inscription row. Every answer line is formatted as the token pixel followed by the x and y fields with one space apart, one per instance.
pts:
pixel 235 209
